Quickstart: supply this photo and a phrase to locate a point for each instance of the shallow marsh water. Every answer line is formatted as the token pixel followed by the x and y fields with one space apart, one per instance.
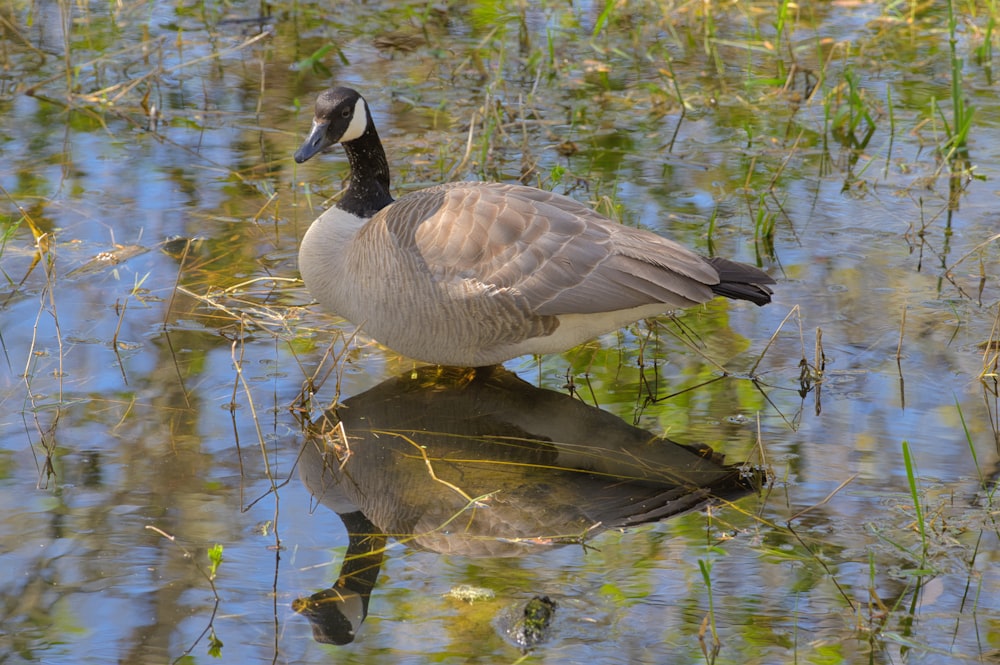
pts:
pixel 128 129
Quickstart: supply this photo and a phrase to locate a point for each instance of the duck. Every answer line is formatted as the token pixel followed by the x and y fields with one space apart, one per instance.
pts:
pixel 473 274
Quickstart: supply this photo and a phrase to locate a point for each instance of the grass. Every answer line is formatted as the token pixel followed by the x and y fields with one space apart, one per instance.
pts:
pixel 911 479
pixel 849 118
pixel 955 147
pixel 710 648
pixel 214 555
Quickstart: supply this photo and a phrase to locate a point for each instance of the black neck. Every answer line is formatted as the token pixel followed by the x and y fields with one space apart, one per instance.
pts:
pixel 365 551
pixel 368 191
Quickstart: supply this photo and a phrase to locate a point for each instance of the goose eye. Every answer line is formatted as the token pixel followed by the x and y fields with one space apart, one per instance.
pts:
pixel 345 113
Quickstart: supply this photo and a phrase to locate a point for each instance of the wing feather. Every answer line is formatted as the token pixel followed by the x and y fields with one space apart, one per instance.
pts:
pixel 555 252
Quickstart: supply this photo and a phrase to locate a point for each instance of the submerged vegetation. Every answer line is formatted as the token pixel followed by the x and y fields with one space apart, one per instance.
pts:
pixel 154 335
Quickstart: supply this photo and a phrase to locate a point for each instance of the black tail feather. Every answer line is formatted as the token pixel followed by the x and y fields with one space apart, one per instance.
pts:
pixel 741 281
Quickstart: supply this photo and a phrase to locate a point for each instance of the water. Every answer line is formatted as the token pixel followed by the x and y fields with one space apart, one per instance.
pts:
pixel 121 347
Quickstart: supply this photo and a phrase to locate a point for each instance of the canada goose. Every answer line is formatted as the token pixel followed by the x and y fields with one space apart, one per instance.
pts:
pixel 487 467
pixel 496 467
pixel 473 273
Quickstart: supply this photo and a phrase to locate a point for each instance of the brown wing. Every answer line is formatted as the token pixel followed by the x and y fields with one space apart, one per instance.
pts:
pixel 555 252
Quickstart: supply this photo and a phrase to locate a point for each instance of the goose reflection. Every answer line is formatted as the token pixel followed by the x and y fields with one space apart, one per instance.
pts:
pixel 486 465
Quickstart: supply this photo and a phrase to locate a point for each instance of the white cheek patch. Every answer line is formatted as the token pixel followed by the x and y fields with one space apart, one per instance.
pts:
pixel 359 122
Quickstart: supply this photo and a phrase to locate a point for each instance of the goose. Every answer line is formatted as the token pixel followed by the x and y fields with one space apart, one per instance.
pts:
pixel 473 274
pixel 548 469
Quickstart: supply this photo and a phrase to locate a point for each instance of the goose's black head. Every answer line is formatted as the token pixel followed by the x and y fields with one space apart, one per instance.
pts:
pixel 341 116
